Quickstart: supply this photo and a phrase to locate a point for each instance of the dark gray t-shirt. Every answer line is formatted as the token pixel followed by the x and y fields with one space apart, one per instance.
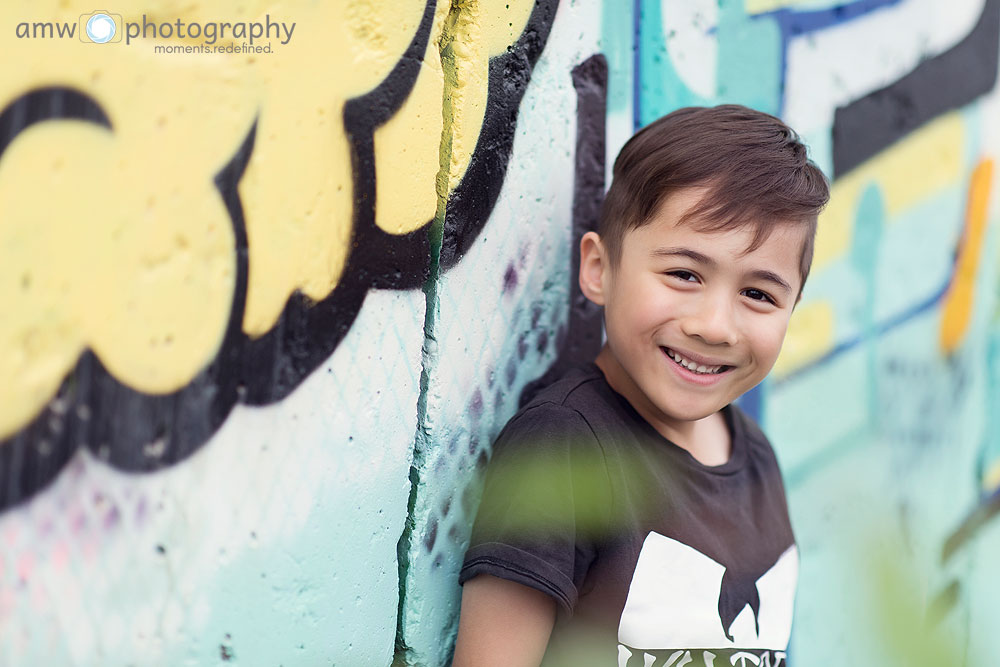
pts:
pixel 663 560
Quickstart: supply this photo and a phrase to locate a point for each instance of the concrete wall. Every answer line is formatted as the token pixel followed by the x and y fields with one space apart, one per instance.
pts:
pixel 262 313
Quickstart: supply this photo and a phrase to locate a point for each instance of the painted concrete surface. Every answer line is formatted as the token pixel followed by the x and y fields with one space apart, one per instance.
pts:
pixel 263 312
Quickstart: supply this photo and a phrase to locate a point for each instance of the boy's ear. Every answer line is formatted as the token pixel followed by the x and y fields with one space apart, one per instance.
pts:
pixel 594 267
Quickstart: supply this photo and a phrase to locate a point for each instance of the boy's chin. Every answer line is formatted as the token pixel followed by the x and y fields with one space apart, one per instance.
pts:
pixel 688 412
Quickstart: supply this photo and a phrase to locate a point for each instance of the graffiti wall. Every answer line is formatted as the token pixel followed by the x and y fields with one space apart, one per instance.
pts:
pixel 273 276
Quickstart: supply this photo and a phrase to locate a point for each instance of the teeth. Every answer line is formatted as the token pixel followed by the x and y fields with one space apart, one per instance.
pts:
pixel 691 366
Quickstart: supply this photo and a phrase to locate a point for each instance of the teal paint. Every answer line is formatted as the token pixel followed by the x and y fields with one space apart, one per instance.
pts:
pixel 749 59
pixel 808 418
pixel 820 145
pixel 618 46
pixel 304 601
pixel 989 457
pixel 864 258
pixel 749 62
pixel 661 88
pixel 908 272
pixel 875 487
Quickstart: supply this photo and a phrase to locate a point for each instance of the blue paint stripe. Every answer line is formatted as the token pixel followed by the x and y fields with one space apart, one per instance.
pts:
pixel 752 402
pixel 802 22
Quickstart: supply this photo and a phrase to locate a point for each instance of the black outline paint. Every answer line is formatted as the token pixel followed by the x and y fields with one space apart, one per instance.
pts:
pixel 146 439
pixel 140 432
pixel 948 81
pixel 33 457
pixel 308 332
pixel 472 200
pixel 42 104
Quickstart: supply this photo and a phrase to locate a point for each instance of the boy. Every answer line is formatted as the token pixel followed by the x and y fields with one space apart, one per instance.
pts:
pixel 630 507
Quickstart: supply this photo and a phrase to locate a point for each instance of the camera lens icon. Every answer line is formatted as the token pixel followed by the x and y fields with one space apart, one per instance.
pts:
pixel 100 27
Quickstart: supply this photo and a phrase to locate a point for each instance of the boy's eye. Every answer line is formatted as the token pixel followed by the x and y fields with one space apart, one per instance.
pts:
pixel 758 295
pixel 686 276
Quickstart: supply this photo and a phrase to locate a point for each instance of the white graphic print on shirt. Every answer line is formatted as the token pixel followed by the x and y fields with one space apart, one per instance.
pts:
pixel 673 603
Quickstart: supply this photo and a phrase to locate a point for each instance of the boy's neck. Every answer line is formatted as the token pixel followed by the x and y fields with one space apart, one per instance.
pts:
pixel 707 440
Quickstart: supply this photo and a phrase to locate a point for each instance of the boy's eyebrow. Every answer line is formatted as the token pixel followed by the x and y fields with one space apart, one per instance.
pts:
pixel 684 252
pixel 759 274
pixel 772 277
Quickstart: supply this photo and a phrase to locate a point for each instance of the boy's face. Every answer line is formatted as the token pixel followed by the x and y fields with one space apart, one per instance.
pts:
pixel 681 298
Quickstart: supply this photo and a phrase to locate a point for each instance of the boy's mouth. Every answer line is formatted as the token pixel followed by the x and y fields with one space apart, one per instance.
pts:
pixel 694 367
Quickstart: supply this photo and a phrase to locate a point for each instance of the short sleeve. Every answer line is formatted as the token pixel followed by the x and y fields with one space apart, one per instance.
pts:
pixel 545 498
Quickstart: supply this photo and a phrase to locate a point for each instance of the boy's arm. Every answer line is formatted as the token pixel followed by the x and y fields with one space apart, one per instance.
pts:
pixel 502 624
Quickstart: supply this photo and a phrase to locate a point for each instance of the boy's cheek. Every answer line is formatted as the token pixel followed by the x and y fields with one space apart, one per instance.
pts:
pixel 773 347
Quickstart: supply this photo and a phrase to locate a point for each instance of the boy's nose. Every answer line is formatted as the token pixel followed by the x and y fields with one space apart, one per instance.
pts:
pixel 711 320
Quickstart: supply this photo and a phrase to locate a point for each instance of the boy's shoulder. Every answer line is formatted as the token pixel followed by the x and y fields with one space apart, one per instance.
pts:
pixel 577 387
pixel 580 398
pixel 568 411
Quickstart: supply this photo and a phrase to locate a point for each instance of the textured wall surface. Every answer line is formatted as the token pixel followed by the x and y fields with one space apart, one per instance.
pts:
pixel 262 312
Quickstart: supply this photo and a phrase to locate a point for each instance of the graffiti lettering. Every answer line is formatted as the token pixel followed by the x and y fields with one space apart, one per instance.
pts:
pixel 242 278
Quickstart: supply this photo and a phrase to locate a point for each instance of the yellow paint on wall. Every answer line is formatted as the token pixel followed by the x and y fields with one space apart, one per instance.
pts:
pixel 407 148
pixel 924 163
pixel 991 480
pixel 956 313
pixel 298 189
pixel 476 31
pixel 119 241
pixel 143 276
pixel 449 97
pixel 809 337
pixel 465 91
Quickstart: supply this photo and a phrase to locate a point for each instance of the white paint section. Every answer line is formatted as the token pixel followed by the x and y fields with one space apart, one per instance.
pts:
pixel 832 67
pixel 689 31
pixel 674 596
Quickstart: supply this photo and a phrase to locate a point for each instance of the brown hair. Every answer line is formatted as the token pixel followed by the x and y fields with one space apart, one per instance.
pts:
pixel 754 167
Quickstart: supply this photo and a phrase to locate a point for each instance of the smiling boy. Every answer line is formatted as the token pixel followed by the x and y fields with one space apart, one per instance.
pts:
pixel 630 507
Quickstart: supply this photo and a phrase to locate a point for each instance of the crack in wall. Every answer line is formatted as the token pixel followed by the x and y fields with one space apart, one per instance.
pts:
pixel 429 351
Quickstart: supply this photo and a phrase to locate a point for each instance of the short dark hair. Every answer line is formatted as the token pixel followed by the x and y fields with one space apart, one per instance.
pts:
pixel 754 167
